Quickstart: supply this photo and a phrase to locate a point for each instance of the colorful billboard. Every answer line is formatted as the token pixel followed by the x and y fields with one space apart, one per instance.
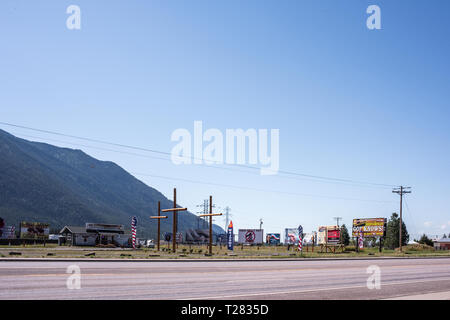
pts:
pixel 273 239
pixel 369 228
pixel 310 238
pixel 250 236
pixel 291 235
pixel 34 230
pixel 6 232
pixel 328 235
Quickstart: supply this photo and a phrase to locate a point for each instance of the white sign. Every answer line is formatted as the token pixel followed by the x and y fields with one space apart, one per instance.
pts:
pixel 250 236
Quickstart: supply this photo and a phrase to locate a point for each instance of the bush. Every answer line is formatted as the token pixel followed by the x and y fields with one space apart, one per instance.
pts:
pixel 417 247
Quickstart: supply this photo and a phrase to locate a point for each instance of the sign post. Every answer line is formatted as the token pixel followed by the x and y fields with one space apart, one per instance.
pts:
pixel 230 236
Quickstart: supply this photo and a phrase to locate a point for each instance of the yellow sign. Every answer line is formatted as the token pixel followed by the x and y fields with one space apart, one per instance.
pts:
pixel 371 227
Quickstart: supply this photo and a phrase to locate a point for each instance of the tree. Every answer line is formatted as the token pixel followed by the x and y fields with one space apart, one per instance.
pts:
pixel 345 237
pixel 445 236
pixel 393 232
pixel 425 240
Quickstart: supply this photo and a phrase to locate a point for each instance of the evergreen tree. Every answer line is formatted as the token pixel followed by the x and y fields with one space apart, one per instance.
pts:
pixel 345 237
pixel 425 240
pixel 393 231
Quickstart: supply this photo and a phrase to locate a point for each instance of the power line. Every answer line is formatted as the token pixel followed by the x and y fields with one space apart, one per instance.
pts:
pixel 198 182
pixel 294 174
pixel 257 189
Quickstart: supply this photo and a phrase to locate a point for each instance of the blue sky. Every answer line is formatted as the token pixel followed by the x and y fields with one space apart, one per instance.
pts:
pixel 350 103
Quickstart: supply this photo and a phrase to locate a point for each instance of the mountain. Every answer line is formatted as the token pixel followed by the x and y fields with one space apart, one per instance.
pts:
pixel 60 186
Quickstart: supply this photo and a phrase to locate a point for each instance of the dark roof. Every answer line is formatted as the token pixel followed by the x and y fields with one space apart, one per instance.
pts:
pixel 74 229
pixel 443 240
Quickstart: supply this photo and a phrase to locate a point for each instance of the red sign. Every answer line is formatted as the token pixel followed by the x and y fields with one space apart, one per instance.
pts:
pixel 334 235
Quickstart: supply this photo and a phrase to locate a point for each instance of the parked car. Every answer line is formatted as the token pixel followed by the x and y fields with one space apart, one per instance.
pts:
pixel 150 244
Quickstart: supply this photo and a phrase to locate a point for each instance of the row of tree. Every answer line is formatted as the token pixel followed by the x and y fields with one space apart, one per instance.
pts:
pixel 391 240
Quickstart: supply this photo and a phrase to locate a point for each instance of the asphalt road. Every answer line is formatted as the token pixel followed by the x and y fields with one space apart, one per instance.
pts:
pixel 228 280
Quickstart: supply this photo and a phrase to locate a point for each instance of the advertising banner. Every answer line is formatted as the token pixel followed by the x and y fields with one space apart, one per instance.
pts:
pixel 34 230
pixel 273 239
pixel 230 236
pixel 7 232
pixel 291 235
pixel 102 227
pixel 309 238
pixel 334 235
pixel 250 236
pixel 370 227
pixel 328 235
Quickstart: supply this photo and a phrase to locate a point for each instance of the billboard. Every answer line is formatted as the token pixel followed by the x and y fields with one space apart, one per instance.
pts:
pixel 273 238
pixel 6 232
pixel 310 238
pixel 102 227
pixel 370 227
pixel 328 235
pixel 34 230
pixel 291 235
pixel 250 236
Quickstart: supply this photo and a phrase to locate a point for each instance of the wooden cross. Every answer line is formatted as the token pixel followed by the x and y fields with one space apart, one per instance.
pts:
pixel 210 215
pixel 159 217
pixel 174 226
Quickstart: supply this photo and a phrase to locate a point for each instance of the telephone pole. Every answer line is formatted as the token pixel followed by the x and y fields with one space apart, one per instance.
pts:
pixel 401 191
pixel 227 216
pixel 337 220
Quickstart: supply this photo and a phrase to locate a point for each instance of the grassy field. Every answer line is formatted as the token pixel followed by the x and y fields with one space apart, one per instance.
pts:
pixel 196 252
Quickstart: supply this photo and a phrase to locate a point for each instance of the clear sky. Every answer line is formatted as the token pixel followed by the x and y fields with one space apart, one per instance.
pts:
pixel 350 103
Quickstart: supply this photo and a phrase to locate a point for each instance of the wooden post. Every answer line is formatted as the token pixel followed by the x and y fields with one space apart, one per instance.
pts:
pixel 210 225
pixel 210 215
pixel 174 227
pixel 159 223
pixel 159 217
pixel 174 210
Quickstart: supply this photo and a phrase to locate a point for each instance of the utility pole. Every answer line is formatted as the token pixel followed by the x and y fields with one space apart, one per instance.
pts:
pixel 227 216
pixel 337 220
pixel 401 191
pixel 260 223
pixel 210 215
pixel 202 213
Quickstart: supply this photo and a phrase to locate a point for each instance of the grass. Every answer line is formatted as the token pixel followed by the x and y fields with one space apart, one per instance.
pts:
pixel 197 252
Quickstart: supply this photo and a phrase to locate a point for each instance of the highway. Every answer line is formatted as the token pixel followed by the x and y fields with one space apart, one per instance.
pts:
pixel 228 280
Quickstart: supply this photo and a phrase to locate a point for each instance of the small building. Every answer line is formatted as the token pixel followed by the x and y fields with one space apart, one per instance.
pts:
pixel 95 234
pixel 442 244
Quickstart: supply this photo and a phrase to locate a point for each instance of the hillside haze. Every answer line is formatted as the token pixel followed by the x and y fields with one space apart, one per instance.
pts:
pixel 61 186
